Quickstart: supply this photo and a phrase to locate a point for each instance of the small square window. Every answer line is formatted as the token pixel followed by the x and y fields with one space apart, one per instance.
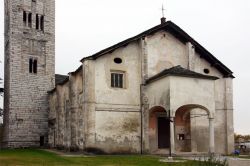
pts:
pixel 117 80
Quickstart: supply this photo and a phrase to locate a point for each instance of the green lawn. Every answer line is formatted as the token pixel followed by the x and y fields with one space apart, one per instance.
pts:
pixel 24 157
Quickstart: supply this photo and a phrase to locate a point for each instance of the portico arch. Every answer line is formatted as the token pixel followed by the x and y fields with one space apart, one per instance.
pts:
pixel 159 130
pixel 193 128
pixel 189 107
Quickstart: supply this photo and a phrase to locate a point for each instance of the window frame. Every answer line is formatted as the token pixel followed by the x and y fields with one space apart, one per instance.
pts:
pixel 33 65
pixel 24 18
pixel 113 84
pixel 42 22
pixel 37 22
pixel 30 20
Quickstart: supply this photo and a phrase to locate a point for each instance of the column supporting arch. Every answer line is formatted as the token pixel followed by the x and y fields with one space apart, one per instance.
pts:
pixel 211 135
pixel 172 135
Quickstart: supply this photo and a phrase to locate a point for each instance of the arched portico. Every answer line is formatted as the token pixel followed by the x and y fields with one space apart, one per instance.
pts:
pixel 159 130
pixel 184 126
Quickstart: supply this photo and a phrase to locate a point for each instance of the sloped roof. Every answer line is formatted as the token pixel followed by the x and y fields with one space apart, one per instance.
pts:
pixel 178 33
pixel 61 79
pixel 179 71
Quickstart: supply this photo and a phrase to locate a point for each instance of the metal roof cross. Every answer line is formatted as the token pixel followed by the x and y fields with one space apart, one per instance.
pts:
pixel 163 10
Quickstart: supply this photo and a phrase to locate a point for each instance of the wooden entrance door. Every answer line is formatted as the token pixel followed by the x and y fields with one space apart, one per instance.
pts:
pixel 163 133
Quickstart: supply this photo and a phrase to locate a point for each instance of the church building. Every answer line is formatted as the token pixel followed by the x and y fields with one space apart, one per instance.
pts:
pixel 154 92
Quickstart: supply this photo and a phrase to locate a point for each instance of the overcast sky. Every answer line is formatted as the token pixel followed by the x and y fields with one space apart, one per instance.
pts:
pixel 84 27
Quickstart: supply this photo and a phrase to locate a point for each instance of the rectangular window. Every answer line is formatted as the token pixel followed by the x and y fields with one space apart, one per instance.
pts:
pixel 32 66
pixel 117 80
pixel 35 66
pixel 42 23
pixel 24 17
pixel 37 21
pixel 30 20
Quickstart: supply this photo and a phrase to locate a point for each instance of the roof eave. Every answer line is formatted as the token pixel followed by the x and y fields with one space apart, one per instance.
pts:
pixel 157 77
pixel 176 31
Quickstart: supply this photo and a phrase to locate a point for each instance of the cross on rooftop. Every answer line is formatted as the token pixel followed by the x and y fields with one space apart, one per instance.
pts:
pixel 163 10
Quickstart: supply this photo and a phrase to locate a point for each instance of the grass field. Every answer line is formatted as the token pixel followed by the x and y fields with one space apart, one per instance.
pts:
pixel 28 157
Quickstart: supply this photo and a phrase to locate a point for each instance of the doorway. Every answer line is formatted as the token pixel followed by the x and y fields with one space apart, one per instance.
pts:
pixel 41 141
pixel 163 133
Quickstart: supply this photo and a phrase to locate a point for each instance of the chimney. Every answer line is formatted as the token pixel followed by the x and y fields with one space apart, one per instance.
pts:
pixel 163 20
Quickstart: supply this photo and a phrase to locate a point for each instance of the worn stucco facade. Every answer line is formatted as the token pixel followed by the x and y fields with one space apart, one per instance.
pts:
pixel 164 71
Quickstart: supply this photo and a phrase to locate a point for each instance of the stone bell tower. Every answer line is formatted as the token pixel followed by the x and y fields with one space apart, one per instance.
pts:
pixel 29 71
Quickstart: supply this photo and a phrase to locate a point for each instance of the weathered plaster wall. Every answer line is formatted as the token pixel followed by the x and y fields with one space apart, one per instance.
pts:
pixel 224 129
pixel 63 104
pixel 66 116
pixel 186 91
pixel 118 107
pixel 77 109
pixel 165 51
pixel 130 94
pixel 156 94
pixel 199 130
pixel 118 132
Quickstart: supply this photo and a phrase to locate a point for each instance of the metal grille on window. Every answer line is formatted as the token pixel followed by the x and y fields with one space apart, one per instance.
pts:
pixel 117 80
